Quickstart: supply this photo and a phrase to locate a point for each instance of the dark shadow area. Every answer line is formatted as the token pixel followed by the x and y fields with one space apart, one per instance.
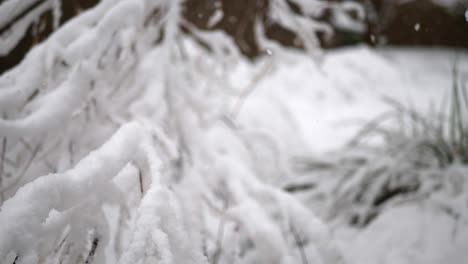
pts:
pixel 413 23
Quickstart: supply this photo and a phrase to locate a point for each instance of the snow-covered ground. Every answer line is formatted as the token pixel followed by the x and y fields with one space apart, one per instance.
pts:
pixel 329 102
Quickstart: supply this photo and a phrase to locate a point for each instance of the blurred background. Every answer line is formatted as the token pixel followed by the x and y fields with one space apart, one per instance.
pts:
pixel 423 23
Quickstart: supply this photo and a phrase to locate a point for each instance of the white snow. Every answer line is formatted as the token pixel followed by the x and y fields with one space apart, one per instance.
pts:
pixel 171 153
pixel 411 234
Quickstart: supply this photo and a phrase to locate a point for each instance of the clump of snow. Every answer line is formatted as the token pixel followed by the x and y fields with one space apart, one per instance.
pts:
pixel 136 128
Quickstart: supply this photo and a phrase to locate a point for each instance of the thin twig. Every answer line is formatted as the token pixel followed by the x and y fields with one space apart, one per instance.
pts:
pixel 92 251
pixel 250 88
pixel 220 235
pixel 24 170
pixel 118 230
pixel 140 178
pixel 71 153
pixel 299 244
pixel 2 159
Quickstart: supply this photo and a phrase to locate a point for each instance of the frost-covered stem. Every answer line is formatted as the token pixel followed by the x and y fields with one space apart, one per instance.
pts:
pixel 140 181
pixel 2 162
pixel 266 69
pixel 56 13
pixel 58 106
pixel 220 235
pixel 23 171
pixel 298 242
pixel 13 25
pixel 171 28
pixel 24 216
pixel 92 251
pixel 10 18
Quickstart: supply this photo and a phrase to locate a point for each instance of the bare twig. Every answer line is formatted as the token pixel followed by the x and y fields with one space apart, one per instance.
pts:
pixel 71 153
pixel 300 245
pixel 140 178
pixel 2 159
pixel 24 170
pixel 220 235
pixel 250 88
pixel 118 231
pixel 92 251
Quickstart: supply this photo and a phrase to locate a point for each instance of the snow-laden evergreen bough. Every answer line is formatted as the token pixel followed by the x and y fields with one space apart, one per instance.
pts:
pixel 126 111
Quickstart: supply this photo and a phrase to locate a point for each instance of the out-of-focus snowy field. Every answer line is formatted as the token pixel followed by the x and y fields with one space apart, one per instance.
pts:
pixel 328 103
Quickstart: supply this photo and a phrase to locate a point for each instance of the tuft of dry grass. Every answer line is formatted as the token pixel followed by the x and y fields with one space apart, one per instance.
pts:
pixel 419 154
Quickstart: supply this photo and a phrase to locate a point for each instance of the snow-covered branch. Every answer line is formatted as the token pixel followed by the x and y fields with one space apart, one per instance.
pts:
pixel 168 171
